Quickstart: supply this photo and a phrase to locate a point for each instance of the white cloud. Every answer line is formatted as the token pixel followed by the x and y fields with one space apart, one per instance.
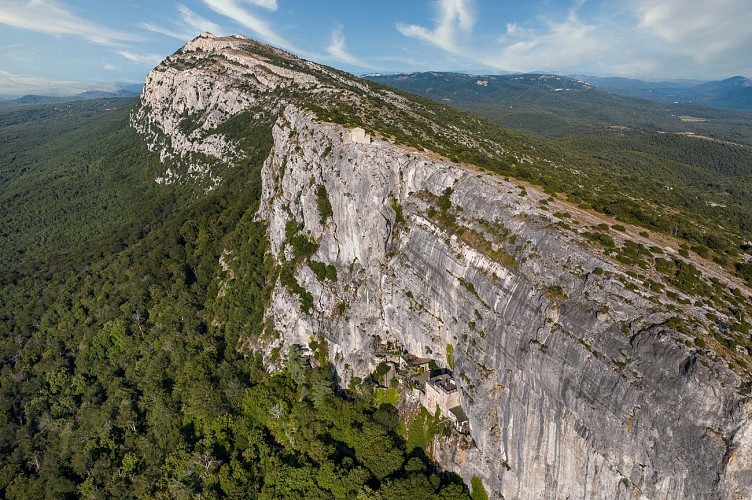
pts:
pixel 110 67
pixel 174 33
pixel 188 27
pixel 11 83
pixel 18 52
pixel 514 29
pixel 47 16
pixel 337 50
pixel 637 38
pixel 196 22
pixel 260 28
pixel 701 29
pixel 456 17
pixel 145 59
pixel 266 4
pixel 557 46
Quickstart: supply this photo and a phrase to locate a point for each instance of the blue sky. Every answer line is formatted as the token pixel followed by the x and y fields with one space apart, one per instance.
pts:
pixel 64 46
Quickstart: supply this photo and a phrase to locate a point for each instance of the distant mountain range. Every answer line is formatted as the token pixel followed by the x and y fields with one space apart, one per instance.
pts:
pixel 731 93
pixel 552 106
pixel 125 90
pixel 482 88
pixel 734 92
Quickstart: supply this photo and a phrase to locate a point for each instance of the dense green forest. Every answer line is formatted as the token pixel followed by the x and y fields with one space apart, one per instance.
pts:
pixel 76 181
pixel 125 366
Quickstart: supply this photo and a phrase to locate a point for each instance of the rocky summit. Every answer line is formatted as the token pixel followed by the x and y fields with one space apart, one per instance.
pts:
pixel 578 372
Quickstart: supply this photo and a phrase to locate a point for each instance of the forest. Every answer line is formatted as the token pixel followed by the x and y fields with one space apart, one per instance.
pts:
pixel 125 362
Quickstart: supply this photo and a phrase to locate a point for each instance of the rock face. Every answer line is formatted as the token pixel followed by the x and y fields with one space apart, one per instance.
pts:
pixel 574 379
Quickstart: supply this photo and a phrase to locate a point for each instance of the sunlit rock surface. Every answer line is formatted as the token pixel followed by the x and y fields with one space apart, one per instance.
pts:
pixel 574 384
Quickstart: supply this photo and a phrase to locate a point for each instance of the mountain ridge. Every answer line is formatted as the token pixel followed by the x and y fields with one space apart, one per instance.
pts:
pixel 283 281
pixel 730 93
pixel 639 145
pixel 82 96
pixel 733 92
pixel 486 282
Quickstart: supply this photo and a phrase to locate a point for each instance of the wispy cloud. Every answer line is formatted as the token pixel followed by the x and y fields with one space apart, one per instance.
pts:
pixel 234 10
pixel 18 52
pixel 701 29
pixel 455 18
pixel 187 27
pixel 11 83
pixel 266 4
pixel 337 50
pixel 145 59
pixel 51 18
pixel 556 45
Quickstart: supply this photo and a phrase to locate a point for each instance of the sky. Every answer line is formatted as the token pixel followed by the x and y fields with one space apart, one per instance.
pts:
pixel 68 46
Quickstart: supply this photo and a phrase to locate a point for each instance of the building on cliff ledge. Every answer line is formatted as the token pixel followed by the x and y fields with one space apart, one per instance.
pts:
pixel 359 136
pixel 441 391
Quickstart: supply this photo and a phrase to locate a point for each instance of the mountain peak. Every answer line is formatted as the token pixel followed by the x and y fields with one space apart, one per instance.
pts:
pixel 213 78
pixel 739 81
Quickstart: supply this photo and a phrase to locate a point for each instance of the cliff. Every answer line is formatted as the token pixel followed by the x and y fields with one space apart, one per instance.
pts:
pixel 578 377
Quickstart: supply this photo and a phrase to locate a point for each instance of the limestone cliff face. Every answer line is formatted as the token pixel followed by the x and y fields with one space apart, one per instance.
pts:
pixel 572 376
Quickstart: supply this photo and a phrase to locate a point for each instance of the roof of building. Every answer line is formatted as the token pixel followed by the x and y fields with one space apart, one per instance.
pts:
pixel 415 360
pixel 445 382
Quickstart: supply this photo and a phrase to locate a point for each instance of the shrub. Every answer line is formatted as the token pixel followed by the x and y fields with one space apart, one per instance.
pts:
pixel 450 355
pixel 382 369
pixel 444 201
pixel 744 271
pixel 478 492
pixel 325 206
pixel 399 216
pixel 323 271
pixel 603 239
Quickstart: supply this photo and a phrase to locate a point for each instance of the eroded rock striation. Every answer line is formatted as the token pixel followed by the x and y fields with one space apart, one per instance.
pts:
pixel 575 378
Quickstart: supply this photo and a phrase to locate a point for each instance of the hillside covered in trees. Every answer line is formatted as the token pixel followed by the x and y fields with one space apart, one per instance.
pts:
pixel 122 374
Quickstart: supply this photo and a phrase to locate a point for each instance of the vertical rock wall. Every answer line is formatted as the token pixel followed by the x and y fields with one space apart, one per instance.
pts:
pixel 573 385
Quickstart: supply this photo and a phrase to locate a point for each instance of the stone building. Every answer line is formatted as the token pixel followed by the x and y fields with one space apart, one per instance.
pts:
pixel 359 136
pixel 441 391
